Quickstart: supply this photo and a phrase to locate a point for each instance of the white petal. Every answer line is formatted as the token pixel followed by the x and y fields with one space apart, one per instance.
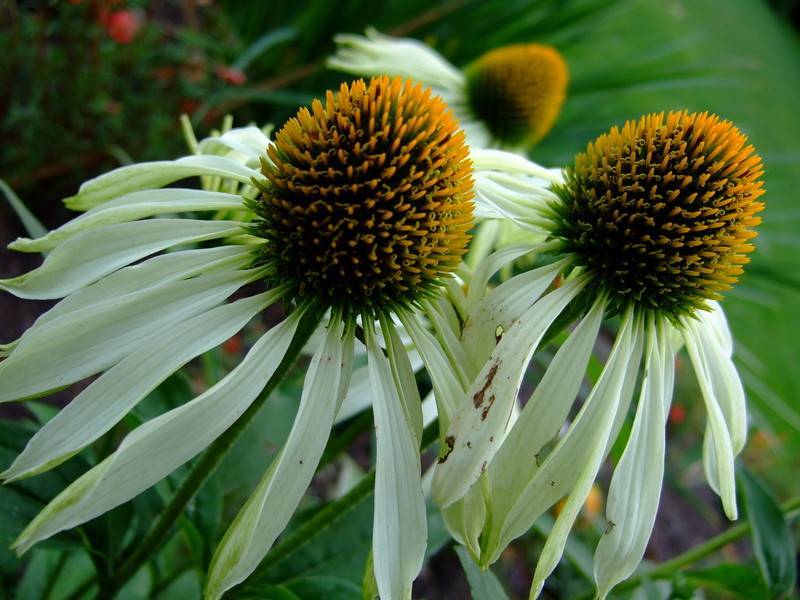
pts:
pixel 403 376
pixel 158 447
pixel 509 162
pixel 377 54
pixel 130 207
pixel 635 489
pixel 719 441
pixel 109 398
pixel 248 142
pixel 557 474
pixel 154 271
pixel 488 267
pixel 492 317
pixel 93 254
pixel 483 241
pixel 400 527
pixel 577 458
pixel 466 518
pixel 149 175
pixel 67 349
pixel 724 381
pixel 499 196
pixel 480 422
pixel 446 386
pixel 359 394
pixel 271 505
pixel 542 417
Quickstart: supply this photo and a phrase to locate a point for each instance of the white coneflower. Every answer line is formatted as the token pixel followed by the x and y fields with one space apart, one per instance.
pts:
pixel 509 97
pixel 651 223
pixel 359 213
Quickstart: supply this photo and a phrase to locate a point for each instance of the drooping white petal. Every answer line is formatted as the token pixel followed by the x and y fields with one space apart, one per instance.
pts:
pixel 377 54
pixel 109 398
pixel 271 505
pixel 154 271
pixel 511 163
pixel 403 376
pixel 557 472
pixel 447 389
pixel 465 520
pixel 488 267
pixel 635 488
pixel 70 348
pixel 718 444
pixel 480 422
pixel 130 207
pixel 149 175
pixel 400 527
pixel 158 447
pixel 92 254
pixel 448 332
pixel 492 317
pixel 542 417
pixel 577 457
pixel 715 350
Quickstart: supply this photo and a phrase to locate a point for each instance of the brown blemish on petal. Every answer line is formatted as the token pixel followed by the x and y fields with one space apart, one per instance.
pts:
pixel 450 442
pixel 477 399
pixel 485 412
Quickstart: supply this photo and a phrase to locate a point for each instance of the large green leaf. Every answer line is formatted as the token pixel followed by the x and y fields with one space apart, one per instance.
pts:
pixel 773 542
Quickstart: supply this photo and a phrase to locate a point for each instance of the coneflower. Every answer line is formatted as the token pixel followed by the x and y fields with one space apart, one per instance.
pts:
pixel 651 223
pixel 359 213
pixel 507 98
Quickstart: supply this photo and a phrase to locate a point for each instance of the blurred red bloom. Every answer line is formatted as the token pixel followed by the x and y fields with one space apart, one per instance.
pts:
pixel 230 75
pixel 188 105
pixel 123 25
pixel 677 414
pixel 233 345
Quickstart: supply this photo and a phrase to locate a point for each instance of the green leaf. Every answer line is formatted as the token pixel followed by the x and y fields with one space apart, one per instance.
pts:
pixel 739 580
pixel 325 587
pixel 269 592
pixel 483 584
pixel 263 44
pixel 22 500
pixel 773 543
pixel 369 585
pixel 32 225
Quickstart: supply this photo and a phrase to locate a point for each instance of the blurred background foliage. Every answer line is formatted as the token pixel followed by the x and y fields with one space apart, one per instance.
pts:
pixel 88 85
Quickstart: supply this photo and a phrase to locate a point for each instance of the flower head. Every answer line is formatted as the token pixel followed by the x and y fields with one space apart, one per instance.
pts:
pixel 518 91
pixel 652 222
pixel 368 203
pixel 510 97
pixel 359 211
pixel 661 212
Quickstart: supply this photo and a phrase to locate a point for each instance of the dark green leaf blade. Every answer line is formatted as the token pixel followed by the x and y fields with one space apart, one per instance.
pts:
pixel 483 584
pixel 773 544
pixel 739 580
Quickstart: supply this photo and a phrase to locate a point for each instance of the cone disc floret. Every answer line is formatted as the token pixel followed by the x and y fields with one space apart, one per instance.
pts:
pixel 518 91
pixel 368 201
pixel 660 213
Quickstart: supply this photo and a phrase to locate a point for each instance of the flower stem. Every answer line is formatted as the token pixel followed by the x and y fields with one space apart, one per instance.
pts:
pixel 668 568
pixel 212 457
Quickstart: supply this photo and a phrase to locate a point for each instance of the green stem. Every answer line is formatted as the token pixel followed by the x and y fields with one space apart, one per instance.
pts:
pixel 667 569
pixel 203 468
